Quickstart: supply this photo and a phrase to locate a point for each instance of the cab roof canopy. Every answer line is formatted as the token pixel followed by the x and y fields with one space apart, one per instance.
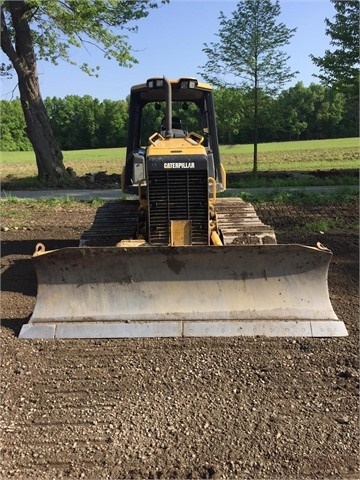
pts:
pixel 183 89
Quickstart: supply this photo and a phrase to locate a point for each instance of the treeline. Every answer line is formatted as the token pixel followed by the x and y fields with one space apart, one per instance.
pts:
pixel 77 123
pixel 298 113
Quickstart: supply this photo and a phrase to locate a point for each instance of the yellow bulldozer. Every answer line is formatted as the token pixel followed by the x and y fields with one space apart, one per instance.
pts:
pixel 172 259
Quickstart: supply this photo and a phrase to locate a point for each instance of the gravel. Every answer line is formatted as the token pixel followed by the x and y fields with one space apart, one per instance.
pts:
pixel 244 408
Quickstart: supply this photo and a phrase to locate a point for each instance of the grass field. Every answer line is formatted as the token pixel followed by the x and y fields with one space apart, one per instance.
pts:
pixel 287 156
pixel 342 153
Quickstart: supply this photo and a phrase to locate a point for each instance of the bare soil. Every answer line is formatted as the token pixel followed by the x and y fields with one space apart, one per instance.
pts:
pixel 244 408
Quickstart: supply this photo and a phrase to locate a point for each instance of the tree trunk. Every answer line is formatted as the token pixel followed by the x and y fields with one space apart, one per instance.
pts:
pixel 49 158
pixel 48 155
pixel 256 127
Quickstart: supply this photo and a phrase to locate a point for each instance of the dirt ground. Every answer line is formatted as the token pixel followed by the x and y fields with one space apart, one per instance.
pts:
pixel 238 408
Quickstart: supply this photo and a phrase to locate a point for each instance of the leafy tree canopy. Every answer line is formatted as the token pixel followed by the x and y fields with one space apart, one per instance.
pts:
pixel 36 29
pixel 249 49
pixel 250 53
pixel 58 26
pixel 340 66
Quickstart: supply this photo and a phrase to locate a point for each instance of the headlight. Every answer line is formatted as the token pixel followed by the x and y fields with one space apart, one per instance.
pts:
pixel 188 83
pixel 155 83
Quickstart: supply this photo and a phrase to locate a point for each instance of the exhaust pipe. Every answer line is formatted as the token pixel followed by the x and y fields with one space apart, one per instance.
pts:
pixel 168 110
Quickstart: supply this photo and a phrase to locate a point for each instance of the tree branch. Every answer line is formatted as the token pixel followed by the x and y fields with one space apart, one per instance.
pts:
pixel 23 40
pixel 6 45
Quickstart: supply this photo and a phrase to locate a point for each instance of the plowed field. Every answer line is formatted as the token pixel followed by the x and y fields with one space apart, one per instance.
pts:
pixel 189 408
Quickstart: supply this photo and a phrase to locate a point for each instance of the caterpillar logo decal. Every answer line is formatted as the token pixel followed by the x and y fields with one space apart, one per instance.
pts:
pixel 179 165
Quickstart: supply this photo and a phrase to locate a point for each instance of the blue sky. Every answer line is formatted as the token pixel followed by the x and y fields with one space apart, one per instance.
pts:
pixel 170 41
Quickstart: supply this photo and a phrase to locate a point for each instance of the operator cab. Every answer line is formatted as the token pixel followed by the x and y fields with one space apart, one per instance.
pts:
pixel 184 109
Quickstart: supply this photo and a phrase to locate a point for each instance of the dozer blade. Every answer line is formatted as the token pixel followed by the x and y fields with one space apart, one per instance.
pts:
pixel 191 291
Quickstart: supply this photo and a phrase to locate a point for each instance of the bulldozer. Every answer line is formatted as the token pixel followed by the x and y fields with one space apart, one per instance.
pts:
pixel 173 257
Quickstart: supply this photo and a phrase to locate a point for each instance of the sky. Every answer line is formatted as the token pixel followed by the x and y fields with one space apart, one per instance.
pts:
pixel 170 41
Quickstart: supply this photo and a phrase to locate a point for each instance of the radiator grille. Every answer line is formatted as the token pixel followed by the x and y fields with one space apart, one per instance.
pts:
pixel 177 195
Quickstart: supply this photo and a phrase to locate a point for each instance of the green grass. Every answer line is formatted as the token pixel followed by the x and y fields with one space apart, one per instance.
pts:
pixel 309 155
pixel 324 225
pixel 342 153
pixel 16 165
pixel 38 204
pixel 293 146
pixel 297 181
pixel 343 195
pixel 95 155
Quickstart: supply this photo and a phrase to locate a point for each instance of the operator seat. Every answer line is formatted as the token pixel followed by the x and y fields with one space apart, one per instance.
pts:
pixel 177 127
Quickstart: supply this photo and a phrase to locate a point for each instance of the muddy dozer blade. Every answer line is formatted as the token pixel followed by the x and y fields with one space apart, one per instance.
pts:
pixel 109 292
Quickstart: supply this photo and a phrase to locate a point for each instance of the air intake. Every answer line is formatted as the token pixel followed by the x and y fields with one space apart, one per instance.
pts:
pixel 178 195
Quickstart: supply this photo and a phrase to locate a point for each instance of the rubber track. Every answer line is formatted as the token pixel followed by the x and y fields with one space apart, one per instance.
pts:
pixel 238 221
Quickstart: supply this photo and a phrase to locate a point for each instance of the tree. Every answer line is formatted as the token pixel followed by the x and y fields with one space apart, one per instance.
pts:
pixel 328 109
pixel 112 120
pixel 340 67
pixel 35 29
pixel 12 126
pixel 229 112
pixel 249 53
pixel 309 112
